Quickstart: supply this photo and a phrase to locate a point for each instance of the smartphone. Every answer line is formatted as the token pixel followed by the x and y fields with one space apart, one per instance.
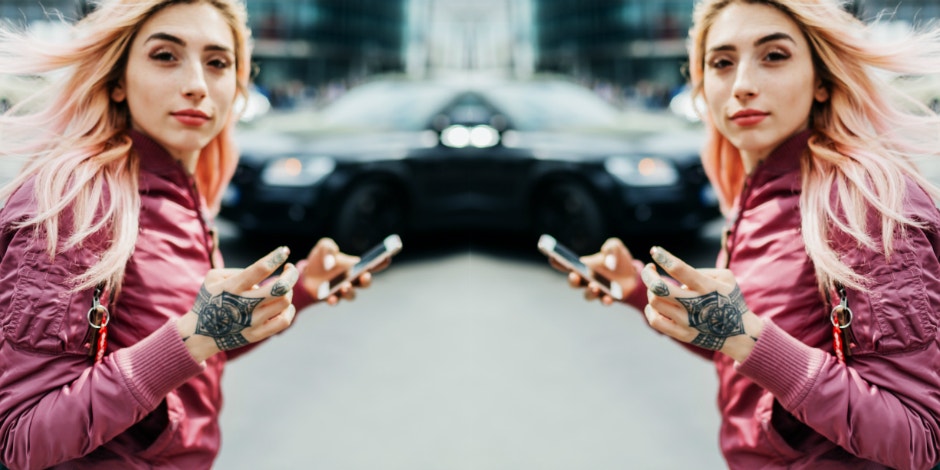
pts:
pixel 567 258
pixel 370 259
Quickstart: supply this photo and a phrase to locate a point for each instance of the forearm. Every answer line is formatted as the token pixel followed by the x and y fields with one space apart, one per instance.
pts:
pixel 861 406
pixel 81 406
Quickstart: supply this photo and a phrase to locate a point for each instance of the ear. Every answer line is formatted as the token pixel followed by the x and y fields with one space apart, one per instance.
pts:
pixel 821 94
pixel 117 93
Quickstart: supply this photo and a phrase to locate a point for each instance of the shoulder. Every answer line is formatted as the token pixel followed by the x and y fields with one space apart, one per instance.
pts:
pixel 21 203
pixel 920 206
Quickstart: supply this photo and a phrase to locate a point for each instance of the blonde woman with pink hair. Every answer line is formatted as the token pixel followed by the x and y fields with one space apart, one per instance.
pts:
pixel 117 318
pixel 822 315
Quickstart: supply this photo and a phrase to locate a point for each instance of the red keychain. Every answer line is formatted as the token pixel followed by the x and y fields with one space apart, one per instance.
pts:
pixel 841 318
pixel 98 318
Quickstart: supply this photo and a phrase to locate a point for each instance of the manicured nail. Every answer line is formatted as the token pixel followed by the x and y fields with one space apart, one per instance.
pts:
pixel 329 262
pixel 610 261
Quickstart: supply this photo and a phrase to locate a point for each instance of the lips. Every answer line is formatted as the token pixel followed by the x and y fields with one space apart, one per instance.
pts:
pixel 748 117
pixel 191 117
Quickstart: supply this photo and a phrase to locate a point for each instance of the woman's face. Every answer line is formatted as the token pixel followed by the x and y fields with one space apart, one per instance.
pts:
pixel 759 81
pixel 180 81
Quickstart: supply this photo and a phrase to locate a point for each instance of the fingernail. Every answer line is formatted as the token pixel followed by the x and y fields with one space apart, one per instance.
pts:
pixel 610 261
pixel 655 250
pixel 329 262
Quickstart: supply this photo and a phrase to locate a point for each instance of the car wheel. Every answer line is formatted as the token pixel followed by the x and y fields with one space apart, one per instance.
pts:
pixel 369 213
pixel 569 212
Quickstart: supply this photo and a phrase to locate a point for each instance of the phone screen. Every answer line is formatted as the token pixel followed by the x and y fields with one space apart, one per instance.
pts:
pixel 370 259
pixel 569 259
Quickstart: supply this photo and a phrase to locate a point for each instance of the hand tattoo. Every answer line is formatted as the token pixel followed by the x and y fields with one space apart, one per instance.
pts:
pixel 717 317
pixel 222 317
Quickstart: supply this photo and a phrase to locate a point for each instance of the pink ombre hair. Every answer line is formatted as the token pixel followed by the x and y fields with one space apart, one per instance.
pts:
pixel 864 138
pixel 75 137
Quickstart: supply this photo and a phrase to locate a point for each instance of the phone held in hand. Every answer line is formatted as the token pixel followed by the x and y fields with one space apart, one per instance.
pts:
pixel 567 258
pixel 369 260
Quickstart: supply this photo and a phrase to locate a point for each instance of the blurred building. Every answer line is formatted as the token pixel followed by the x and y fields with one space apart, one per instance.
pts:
pixel 305 48
pixel 312 49
pixel 911 11
pixel 636 49
pixel 623 42
pixel 493 36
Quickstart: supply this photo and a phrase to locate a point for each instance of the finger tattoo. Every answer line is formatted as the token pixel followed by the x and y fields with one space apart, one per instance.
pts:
pixel 717 317
pixel 663 259
pixel 280 256
pixel 280 288
pixel 223 317
pixel 660 288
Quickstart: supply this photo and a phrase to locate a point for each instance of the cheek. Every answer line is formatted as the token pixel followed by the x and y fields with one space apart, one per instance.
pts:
pixel 714 101
pixel 225 95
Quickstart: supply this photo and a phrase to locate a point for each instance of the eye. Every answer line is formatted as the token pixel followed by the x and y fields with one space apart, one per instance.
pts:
pixel 220 64
pixel 162 56
pixel 720 63
pixel 777 56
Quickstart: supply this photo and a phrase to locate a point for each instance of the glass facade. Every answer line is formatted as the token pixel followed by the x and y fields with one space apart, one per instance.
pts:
pixel 22 12
pixel 635 44
pixel 303 45
pixel 911 11
pixel 632 48
pixel 636 49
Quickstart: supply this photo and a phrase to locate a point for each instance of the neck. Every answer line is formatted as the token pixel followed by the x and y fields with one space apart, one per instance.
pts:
pixel 752 160
pixel 188 161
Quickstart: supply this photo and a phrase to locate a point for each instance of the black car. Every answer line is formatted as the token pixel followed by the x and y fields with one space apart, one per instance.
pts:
pixel 536 156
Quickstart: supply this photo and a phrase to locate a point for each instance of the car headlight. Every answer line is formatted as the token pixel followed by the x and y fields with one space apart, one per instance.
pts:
pixel 297 171
pixel 642 171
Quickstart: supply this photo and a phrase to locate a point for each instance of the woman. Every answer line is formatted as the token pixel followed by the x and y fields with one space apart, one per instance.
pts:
pixel 822 319
pixel 116 317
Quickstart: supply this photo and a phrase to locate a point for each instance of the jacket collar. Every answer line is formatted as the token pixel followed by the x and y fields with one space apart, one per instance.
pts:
pixel 155 159
pixel 784 159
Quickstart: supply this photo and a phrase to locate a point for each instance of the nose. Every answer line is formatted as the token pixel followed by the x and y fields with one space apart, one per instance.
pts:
pixel 194 83
pixel 745 83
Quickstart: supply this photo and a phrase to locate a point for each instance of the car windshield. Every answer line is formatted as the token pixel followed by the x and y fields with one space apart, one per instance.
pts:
pixel 405 106
pixel 553 105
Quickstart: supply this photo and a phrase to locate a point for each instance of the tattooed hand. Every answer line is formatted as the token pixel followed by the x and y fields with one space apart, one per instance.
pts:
pixel 708 310
pixel 231 310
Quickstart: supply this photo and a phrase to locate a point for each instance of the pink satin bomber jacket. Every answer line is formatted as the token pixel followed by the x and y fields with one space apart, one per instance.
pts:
pixel 148 404
pixel 791 404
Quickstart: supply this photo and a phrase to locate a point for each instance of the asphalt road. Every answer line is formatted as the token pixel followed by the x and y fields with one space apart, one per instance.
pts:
pixel 472 357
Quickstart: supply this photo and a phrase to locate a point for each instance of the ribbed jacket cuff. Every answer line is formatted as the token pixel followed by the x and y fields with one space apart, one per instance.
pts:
pixel 783 365
pixel 156 365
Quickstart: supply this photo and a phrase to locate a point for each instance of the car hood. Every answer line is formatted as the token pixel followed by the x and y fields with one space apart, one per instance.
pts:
pixel 581 145
pixel 343 145
pixel 590 145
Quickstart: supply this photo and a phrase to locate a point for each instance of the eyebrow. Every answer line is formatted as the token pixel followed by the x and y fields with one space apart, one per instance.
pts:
pixel 763 40
pixel 181 42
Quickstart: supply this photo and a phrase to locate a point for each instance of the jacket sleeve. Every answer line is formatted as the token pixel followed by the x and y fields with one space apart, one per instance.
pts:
pixel 883 404
pixel 55 404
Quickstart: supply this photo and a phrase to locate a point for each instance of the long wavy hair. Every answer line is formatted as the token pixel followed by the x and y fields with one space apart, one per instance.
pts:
pixel 75 139
pixel 864 139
